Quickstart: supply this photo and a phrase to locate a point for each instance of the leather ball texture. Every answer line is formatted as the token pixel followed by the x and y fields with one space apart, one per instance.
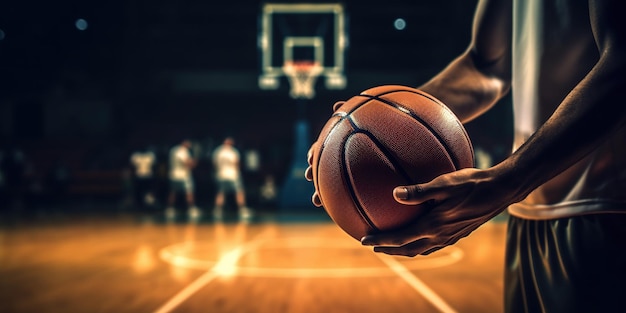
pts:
pixel 385 137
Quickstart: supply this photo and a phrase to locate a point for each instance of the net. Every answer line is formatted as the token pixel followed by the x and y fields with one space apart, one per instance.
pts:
pixel 302 76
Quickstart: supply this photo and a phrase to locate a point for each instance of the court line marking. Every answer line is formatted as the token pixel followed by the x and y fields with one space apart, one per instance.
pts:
pixel 416 283
pixel 225 266
pixel 174 255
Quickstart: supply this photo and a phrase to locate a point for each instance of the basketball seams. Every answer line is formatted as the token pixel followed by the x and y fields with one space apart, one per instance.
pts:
pixel 342 116
pixel 456 162
pixel 391 157
pixel 346 116
pixel 433 99
pixel 337 181
pixel 350 187
pixel 384 150
pixel 446 108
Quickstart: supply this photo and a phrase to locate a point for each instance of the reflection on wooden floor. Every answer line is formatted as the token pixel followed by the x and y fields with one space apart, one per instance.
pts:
pixel 126 264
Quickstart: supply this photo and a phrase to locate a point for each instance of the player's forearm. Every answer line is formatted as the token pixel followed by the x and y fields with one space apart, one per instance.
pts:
pixel 466 88
pixel 481 76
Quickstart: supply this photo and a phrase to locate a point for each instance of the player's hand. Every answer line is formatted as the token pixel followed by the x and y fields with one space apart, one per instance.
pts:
pixel 459 202
pixel 308 173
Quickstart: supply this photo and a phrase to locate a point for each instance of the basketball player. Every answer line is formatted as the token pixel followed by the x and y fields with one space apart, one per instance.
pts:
pixel 181 179
pixel 564 185
pixel 143 161
pixel 226 160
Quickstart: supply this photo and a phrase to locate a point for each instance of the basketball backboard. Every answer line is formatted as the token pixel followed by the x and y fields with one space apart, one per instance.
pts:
pixel 302 32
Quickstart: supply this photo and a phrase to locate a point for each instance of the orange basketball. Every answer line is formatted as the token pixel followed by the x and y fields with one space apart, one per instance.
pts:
pixel 385 137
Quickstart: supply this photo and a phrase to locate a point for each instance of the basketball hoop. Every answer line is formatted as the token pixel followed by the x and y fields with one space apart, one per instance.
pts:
pixel 302 76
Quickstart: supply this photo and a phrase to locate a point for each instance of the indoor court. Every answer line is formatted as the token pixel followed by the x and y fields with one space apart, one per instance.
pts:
pixel 127 263
pixel 86 86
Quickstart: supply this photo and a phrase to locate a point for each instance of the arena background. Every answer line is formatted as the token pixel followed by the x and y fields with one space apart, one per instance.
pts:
pixel 84 84
pixel 153 72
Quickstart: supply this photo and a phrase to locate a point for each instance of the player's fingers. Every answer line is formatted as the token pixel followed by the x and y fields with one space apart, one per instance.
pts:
pixel 394 251
pixel 429 251
pixel 394 239
pixel 410 250
pixel 308 173
pixel 316 199
pixel 337 105
pixel 413 194
pixel 309 155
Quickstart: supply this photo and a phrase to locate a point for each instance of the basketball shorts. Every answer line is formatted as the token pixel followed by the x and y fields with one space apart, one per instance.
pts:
pixel 229 185
pixel 569 265
pixel 181 185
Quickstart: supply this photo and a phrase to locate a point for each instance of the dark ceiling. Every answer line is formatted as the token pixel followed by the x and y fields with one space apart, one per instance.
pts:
pixel 42 46
pixel 156 70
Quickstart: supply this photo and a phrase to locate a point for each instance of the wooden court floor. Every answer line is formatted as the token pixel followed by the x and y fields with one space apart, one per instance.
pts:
pixel 124 263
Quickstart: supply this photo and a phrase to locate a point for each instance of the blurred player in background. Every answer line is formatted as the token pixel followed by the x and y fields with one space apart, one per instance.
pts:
pixel 268 191
pixel 181 179
pixel 565 63
pixel 226 159
pixel 143 162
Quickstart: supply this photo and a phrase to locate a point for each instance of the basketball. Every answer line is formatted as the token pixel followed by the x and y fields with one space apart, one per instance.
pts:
pixel 385 137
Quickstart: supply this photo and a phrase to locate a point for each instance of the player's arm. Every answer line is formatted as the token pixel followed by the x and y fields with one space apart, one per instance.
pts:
pixel 190 162
pixel 465 199
pixel 588 114
pixel 478 78
pixel 186 160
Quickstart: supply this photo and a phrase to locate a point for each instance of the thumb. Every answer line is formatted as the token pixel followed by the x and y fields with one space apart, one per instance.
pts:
pixel 412 194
